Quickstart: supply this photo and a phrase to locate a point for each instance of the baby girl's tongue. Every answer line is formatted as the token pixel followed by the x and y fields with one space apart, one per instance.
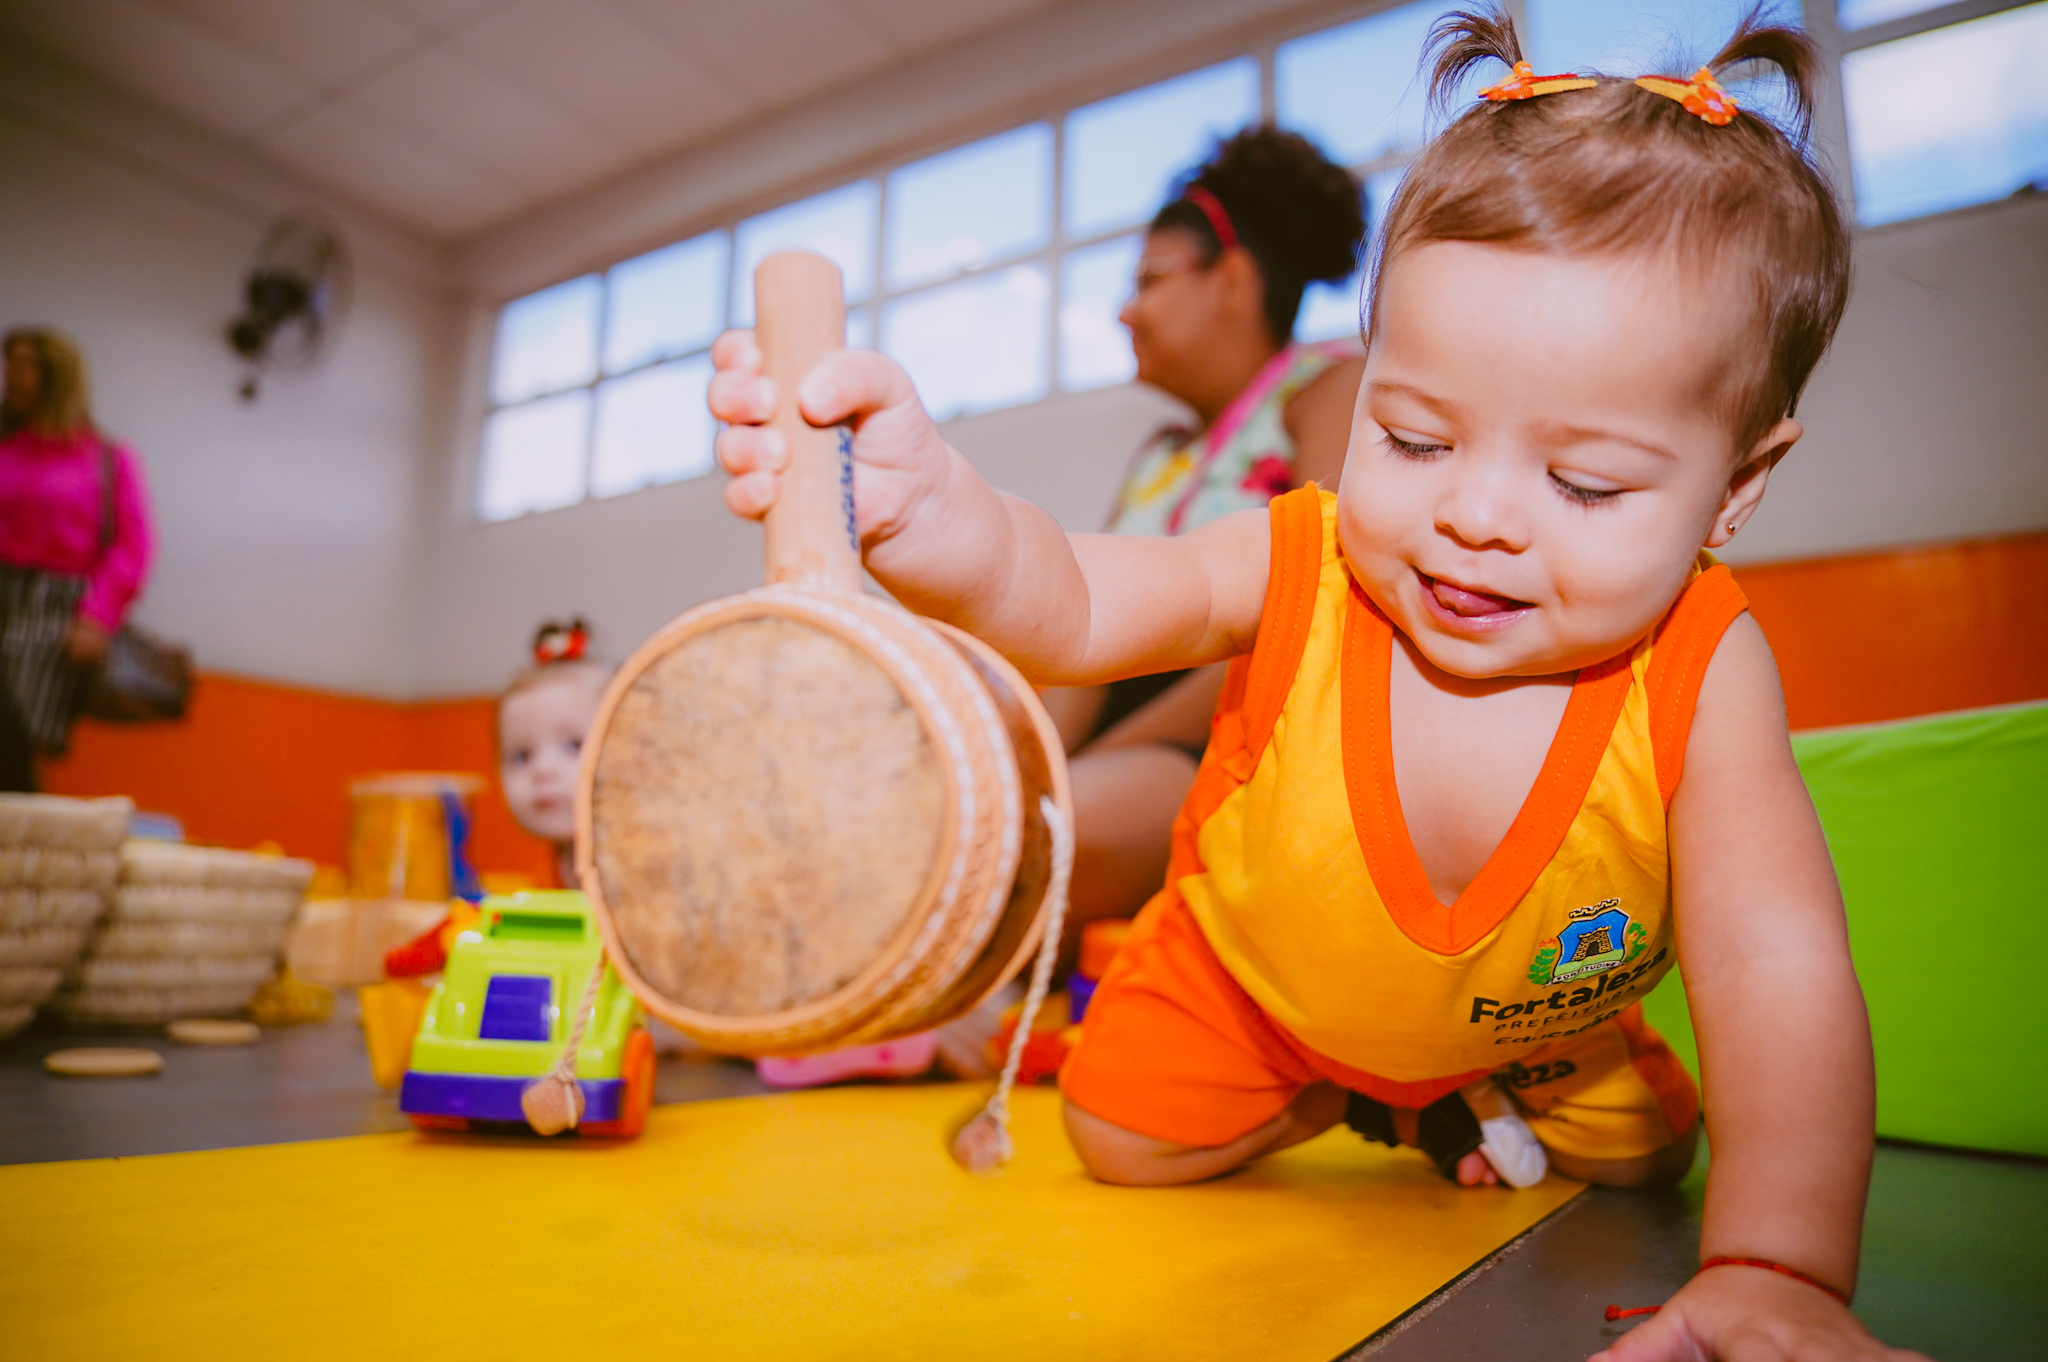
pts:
pixel 1459 601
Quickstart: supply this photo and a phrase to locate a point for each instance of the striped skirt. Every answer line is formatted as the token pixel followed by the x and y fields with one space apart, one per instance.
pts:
pixel 36 611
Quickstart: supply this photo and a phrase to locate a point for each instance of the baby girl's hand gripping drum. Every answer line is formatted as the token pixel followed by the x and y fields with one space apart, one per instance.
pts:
pixel 807 817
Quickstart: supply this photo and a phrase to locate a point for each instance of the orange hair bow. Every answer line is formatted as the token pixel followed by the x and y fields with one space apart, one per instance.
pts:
pixel 1701 95
pixel 557 642
pixel 1524 83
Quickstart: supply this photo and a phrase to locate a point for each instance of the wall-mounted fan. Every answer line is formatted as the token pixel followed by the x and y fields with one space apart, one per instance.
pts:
pixel 294 298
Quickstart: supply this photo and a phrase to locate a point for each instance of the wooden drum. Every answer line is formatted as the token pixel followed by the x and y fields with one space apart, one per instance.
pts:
pixel 808 818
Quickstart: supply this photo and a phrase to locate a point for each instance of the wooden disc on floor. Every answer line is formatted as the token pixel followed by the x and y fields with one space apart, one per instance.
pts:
pixel 100 1061
pixel 213 1031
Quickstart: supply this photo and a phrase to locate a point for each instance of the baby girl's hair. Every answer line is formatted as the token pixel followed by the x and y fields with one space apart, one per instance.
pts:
pixel 1616 168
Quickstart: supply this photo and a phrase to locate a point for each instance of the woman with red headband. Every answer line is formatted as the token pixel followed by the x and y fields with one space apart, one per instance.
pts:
pixel 1211 316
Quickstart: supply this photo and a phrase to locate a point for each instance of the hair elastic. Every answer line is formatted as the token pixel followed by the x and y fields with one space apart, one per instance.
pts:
pixel 1524 83
pixel 1701 95
pixel 1212 209
pixel 555 642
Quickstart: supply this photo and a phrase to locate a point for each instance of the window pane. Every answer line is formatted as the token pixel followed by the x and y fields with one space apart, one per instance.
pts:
pixel 1633 37
pixel 838 224
pixel 546 341
pixel 1330 311
pixel 1951 117
pixel 1095 350
pixel 860 328
pixel 1357 90
pixel 970 207
pixel 1123 154
pixel 975 345
pixel 533 456
pixel 652 427
pixel 667 302
pixel 1864 13
pixel 1334 311
pixel 1379 197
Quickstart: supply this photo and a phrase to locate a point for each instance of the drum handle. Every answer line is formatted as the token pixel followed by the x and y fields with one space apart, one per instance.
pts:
pixel 800 317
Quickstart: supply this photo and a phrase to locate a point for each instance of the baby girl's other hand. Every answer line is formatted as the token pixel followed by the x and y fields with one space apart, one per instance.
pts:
pixel 1748 1314
pixel 898 457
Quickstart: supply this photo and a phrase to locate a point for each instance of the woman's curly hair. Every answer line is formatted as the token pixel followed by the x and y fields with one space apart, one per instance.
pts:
pixel 1297 213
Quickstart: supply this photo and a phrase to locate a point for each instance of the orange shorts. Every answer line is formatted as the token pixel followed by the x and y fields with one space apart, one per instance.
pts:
pixel 1173 1048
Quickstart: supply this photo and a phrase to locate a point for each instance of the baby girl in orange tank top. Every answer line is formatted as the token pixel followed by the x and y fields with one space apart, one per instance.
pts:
pixel 1499 745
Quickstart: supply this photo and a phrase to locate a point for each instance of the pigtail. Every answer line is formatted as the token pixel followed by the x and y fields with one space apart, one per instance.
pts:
pixel 1462 40
pixel 1756 39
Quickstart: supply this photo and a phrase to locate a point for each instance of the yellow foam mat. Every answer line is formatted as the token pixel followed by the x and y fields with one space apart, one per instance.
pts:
pixel 819 1225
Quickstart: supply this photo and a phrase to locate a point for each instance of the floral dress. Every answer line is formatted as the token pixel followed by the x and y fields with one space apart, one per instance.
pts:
pixel 1180 479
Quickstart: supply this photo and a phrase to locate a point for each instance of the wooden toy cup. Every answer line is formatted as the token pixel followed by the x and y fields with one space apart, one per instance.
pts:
pixel 806 817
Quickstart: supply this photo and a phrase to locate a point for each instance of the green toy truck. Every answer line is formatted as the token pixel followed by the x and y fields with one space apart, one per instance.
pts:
pixel 503 1010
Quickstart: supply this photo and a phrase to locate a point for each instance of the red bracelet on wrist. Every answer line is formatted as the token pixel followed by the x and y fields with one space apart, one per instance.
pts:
pixel 1615 1312
pixel 1780 1268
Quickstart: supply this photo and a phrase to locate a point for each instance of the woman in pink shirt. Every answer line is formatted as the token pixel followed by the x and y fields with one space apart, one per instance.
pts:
pixel 74 546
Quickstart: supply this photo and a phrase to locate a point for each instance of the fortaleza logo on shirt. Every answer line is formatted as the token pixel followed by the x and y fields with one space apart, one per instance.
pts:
pixel 1599 938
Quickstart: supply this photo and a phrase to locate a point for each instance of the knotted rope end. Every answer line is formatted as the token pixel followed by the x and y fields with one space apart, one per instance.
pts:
pixel 983 1145
pixel 552 1104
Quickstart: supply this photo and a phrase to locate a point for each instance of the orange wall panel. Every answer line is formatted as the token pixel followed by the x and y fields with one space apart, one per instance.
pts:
pixel 251 762
pixel 254 761
pixel 1879 636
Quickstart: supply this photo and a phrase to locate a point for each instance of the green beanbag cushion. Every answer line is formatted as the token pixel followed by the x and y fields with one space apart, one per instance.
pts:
pixel 1939 829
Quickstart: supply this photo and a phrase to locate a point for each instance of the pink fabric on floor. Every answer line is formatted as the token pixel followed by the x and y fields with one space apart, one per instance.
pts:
pixel 905 1058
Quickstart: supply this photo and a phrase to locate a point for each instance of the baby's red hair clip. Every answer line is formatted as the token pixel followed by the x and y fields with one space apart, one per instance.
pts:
pixel 561 642
pixel 1700 95
pixel 1524 83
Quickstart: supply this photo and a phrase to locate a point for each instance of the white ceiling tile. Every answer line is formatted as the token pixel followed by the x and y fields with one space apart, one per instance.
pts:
pixel 360 153
pixel 476 116
pixel 330 41
pixel 610 68
pixel 920 25
pixel 775 51
pixel 162 56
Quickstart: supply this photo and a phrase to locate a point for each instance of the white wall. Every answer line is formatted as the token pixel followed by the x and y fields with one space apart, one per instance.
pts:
pixel 289 530
pixel 1928 421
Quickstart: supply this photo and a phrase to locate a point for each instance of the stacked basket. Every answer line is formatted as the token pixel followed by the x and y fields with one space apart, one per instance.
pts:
pixel 193 931
pixel 58 861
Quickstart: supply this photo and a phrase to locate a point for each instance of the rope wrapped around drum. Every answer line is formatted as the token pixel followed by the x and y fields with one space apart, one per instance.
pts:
pixel 808 818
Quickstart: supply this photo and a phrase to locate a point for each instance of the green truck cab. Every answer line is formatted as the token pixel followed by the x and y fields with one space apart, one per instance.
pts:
pixel 502 1012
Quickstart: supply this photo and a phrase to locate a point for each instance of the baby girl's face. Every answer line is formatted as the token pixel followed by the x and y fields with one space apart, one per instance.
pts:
pixel 1537 454
pixel 540 739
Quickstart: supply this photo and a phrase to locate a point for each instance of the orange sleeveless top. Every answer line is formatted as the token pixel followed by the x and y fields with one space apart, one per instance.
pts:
pixel 1292 854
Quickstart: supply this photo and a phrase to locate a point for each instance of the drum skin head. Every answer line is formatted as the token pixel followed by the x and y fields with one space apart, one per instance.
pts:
pixel 767 811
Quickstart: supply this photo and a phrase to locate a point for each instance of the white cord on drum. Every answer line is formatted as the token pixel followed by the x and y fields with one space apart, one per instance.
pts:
pixel 983 1145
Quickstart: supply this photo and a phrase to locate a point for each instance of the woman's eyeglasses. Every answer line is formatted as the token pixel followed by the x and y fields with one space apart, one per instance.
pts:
pixel 1148 275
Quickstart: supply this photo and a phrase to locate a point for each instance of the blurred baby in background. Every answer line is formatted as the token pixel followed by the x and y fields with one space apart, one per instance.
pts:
pixel 542 717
